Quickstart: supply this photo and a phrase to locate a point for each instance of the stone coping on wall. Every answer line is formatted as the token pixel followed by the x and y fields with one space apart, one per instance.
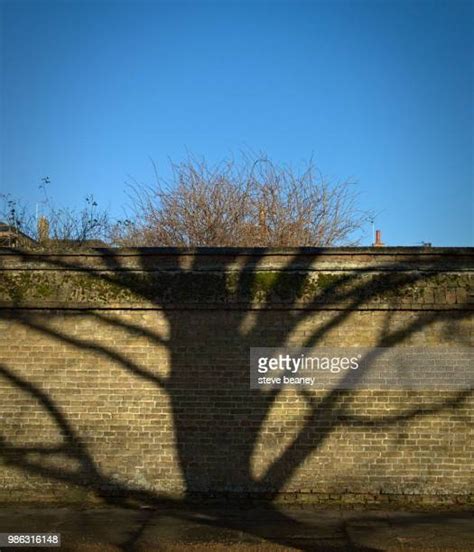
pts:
pixel 361 258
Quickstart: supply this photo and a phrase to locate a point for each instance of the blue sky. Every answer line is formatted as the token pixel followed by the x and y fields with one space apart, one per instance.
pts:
pixel 377 91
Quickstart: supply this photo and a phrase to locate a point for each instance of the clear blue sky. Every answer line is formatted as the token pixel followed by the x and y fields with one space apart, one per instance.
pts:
pixel 378 91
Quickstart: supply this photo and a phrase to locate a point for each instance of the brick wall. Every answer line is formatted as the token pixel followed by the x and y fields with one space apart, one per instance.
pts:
pixel 127 373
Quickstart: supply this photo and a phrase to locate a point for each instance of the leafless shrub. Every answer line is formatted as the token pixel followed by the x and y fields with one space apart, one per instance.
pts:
pixel 250 203
pixel 54 227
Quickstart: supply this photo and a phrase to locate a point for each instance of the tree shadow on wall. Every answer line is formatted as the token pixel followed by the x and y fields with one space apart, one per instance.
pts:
pixel 217 418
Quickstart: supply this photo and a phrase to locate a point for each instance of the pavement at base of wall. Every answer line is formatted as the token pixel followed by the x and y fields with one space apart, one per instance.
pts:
pixel 241 528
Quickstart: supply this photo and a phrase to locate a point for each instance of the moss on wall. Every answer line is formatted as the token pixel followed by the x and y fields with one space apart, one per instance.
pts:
pixel 260 287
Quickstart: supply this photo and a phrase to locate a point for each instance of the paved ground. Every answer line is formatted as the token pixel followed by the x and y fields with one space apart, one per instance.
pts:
pixel 244 529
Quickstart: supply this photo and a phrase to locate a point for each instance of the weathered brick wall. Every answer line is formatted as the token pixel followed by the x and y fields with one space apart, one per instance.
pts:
pixel 127 372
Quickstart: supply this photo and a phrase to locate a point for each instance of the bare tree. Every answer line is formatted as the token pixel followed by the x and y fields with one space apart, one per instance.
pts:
pixel 251 202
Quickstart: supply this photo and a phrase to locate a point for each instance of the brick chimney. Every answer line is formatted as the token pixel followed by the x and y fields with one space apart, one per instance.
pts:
pixel 378 239
pixel 43 230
